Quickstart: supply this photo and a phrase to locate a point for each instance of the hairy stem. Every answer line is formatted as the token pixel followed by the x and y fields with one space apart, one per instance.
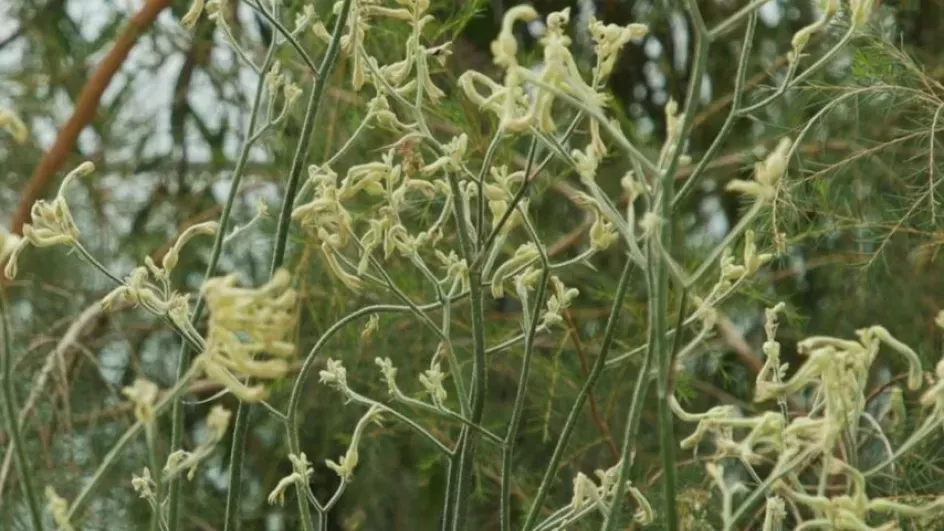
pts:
pixel 241 424
pixel 575 411
pixel 468 439
pixel 13 425
pixel 508 450
pixel 185 355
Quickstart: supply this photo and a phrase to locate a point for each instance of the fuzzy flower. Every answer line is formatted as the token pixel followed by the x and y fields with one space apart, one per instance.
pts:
pixel 334 375
pixel 345 465
pixel 523 257
pixel 217 422
pixel 51 223
pixel 143 394
pixel 189 20
pixel 144 485
pixel 587 494
pixel 8 242
pixel 767 174
pixel 559 301
pixel 861 11
pixel 457 271
pixel 12 123
pixel 609 40
pixel 59 508
pixel 802 37
pixel 208 228
pixel 432 380
pixel 301 472
pixel 505 47
pixel 452 158
pixel 244 324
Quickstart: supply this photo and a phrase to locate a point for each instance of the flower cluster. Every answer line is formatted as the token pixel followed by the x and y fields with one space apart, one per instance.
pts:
pixel 345 465
pixel 301 472
pixel 246 324
pixel 217 422
pixel 59 508
pixel 767 174
pixel 590 495
pixel 51 223
pixel 149 285
pixel 143 394
pixel 835 375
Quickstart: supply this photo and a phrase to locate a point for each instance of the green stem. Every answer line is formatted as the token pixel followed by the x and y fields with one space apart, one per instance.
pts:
pixel 732 21
pixel 185 354
pixel 790 81
pixel 508 450
pixel 442 333
pixel 154 462
pixel 632 420
pixel 363 400
pixel 519 195
pixel 716 144
pixel 452 468
pixel 575 411
pixel 81 501
pixel 780 471
pixel 288 36
pixel 480 183
pixel 13 426
pixel 468 439
pixel 291 413
pixel 98 265
pixel 595 112
pixel 241 423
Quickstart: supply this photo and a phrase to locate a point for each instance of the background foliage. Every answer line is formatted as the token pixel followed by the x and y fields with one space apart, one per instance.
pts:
pixel 863 223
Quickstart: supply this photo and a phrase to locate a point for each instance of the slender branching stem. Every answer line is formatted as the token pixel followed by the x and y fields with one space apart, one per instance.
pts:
pixel 480 183
pixel 576 409
pixel 363 400
pixel 241 424
pixel 743 60
pixel 85 254
pixel 291 413
pixel 468 438
pixel 732 21
pixel 271 18
pixel 659 291
pixel 9 407
pixel 514 425
pixel 185 355
pixel 81 501
pixel 791 81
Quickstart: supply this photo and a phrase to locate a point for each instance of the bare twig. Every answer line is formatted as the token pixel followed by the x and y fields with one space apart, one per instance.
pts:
pixel 54 359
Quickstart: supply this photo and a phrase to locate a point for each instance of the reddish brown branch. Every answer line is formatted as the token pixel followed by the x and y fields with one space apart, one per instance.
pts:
pixel 594 409
pixel 86 108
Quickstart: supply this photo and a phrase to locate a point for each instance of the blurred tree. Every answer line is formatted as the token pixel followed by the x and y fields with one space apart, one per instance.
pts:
pixel 162 111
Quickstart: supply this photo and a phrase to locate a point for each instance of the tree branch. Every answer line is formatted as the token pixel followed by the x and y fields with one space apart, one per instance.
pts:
pixel 86 108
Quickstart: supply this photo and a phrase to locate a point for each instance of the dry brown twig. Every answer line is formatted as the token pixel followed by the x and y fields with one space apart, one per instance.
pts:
pixel 56 358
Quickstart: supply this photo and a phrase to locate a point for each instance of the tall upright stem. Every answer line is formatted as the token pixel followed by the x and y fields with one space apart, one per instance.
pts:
pixel 508 449
pixel 185 355
pixel 469 438
pixel 9 415
pixel 660 350
pixel 659 300
pixel 241 424
pixel 576 409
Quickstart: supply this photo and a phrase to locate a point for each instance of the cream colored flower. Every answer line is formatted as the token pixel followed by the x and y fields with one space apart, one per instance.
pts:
pixel 50 223
pixel 248 332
